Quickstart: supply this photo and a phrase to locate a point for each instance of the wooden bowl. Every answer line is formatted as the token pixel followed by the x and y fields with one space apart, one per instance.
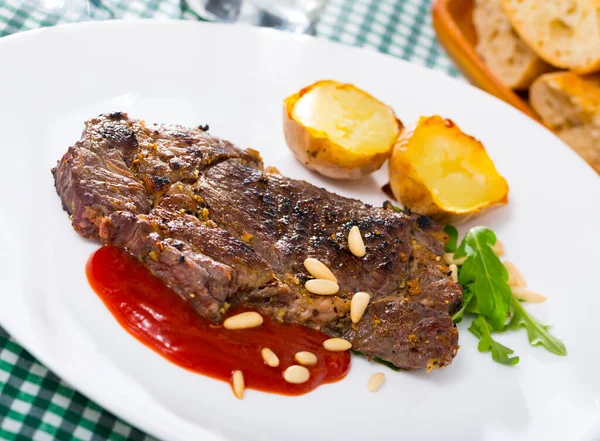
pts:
pixel 453 23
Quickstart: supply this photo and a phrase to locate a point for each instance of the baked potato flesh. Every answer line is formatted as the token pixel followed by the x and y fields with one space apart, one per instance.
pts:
pixel 339 130
pixel 349 117
pixel 438 170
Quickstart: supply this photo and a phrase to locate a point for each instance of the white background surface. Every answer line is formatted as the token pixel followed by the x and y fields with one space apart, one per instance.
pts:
pixel 235 79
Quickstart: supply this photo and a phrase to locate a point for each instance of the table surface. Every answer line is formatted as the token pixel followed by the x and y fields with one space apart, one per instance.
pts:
pixel 34 403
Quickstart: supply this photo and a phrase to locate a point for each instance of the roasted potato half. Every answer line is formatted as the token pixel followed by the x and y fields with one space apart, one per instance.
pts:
pixel 437 170
pixel 339 130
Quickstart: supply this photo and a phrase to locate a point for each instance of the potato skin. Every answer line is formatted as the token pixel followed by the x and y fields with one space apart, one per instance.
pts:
pixel 317 152
pixel 408 187
pixel 406 184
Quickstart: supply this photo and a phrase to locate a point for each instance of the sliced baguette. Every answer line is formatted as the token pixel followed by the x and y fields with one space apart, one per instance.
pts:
pixel 570 105
pixel 565 33
pixel 502 50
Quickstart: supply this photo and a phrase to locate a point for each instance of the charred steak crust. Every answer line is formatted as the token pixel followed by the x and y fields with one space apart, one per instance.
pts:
pixel 204 217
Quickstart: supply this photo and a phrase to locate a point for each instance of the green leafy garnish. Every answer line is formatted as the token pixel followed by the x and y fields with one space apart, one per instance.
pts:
pixel 467 299
pixel 485 274
pixel 537 333
pixel 500 353
pixel 453 242
pixel 378 360
pixel 488 298
pixel 473 307
pixel 386 363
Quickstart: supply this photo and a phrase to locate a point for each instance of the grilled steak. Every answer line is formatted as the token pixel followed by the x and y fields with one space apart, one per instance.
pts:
pixel 204 217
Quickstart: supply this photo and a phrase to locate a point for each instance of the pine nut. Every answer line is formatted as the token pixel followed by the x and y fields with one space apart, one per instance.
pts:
pixel 454 271
pixel 527 295
pixel 238 384
pixel 355 242
pixel 296 374
pixel 337 344
pixel 358 305
pixel 269 357
pixel 375 381
pixel 449 259
pixel 515 278
pixel 306 358
pixel 498 248
pixel 244 320
pixel 322 287
pixel 460 260
pixel 318 269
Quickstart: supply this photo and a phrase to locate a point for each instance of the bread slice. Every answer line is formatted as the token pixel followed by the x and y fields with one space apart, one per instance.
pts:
pixel 565 33
pixel 570 105
pixel 502 50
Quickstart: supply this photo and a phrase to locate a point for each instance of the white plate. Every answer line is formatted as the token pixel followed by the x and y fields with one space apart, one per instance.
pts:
pixel 234 79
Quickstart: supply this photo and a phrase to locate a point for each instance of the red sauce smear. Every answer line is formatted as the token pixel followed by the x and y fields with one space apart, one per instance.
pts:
pixel 163 321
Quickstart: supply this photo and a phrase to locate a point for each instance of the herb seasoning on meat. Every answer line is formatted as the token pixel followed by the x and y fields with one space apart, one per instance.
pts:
pixel 204 258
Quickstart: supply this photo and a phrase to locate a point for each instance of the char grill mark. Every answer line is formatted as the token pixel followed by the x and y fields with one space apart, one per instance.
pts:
pixel 204 217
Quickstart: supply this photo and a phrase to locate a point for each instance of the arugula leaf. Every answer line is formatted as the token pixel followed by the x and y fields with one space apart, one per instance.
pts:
pixel 386 363
pixel 486 274
pixel 451 231
pixel 537 333
pixel 473 307
pixel 388 205
pixel 378 360
pixel 467 299
pixel 500 353
pixel 486 295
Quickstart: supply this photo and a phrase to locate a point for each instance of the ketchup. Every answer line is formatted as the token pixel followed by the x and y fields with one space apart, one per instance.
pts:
pixel 163 321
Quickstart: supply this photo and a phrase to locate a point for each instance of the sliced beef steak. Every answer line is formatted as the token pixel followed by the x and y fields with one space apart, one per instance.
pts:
pixel 204 217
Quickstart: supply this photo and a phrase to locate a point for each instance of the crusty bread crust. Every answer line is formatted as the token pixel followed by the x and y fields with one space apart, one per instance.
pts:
pixel 507 56
pixel 570 105
pixel 565 33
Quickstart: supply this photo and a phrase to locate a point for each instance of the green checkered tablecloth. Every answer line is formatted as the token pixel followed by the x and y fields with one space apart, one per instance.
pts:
pixel 34 403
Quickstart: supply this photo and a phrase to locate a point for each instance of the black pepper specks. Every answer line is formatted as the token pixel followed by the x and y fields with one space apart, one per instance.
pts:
pixel 175 163
pixel 160 182
pixel 115 115
pixel 118 136
pixel 424 222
